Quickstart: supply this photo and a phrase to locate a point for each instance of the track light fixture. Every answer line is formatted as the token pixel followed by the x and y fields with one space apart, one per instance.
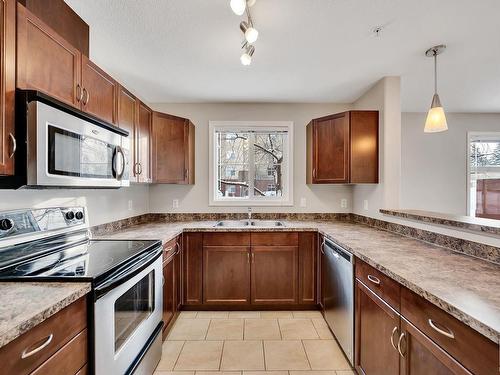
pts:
pixel 249 31
pixel 246 57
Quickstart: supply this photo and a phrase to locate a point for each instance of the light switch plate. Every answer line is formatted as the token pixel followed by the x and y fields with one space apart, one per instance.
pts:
pixel 303 202
pixel 130 205
pixel 343 203
pixel 175 203
pixel 365 204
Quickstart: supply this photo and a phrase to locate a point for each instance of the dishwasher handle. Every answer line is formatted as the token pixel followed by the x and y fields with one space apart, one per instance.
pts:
pixel 337 251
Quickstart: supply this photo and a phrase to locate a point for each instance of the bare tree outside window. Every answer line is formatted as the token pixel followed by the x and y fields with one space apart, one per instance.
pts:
pixel 250 164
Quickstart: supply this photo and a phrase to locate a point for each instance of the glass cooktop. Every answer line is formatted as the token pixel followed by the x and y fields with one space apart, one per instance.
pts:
pixel 89 259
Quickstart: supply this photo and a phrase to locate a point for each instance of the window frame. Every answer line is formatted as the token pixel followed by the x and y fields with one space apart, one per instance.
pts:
pixel 287 198
pixel 470 136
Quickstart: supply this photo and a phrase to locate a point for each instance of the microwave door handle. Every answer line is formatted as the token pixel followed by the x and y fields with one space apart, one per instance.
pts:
pixel 116 174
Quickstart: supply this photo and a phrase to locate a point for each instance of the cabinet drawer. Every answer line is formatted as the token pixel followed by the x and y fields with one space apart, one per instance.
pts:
pixel 226 239
pixel 68 360
pixel 471 349
pixel 382 285
pixel 275 239
pixel 50 335
pixel 170 248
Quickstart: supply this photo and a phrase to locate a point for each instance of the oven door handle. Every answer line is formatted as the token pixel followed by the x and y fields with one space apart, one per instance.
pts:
pixel 124 274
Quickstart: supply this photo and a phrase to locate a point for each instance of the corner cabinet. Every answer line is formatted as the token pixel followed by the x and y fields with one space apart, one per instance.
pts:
pixel 172 150
pixel 7 85
pixel 343 148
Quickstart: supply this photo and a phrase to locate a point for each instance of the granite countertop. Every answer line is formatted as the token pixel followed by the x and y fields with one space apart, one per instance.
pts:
pixel 466 287
pixel 26 304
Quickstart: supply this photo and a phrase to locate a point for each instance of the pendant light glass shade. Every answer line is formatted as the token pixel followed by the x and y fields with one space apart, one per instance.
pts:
pixel 238 6
pixel 436 119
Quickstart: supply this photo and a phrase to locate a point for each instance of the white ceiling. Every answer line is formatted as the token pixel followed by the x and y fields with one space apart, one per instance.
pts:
pixel 308 50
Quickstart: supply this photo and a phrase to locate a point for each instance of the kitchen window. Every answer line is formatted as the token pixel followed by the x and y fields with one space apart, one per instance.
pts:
pixel 250 163
pixel 483 174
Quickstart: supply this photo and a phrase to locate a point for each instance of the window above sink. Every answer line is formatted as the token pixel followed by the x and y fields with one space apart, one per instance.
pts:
pixel 251 163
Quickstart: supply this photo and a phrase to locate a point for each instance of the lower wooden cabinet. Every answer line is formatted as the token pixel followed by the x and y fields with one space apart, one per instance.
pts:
pixel 274 275
pixel 421 356
pixel 420 339
pixel 226 275
pixel 377 327
pixel 171 283
pixel 58 345
pixel 249 269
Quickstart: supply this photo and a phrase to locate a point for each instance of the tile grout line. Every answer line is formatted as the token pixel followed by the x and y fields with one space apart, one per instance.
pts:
pixel 221 354
pixel 279 327
pixel 178 355
pixel 208 329
pixel 264 356
pixel 307 357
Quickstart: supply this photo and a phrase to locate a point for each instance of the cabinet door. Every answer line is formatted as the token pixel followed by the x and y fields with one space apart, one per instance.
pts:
pixel 7 85
pixel 127 106
pixel 143 143
pixel 45 61
pixel 168 294
pixel 421 356
pixel 178 275
pixel 376 328
pixel 226 275
pixel 192 260
pixel 274 274
pixel 331 149
pixel 171 149
pixel 307 268
pixel 99 92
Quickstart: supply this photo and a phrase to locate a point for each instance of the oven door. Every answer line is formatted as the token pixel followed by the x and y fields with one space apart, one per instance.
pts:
pixel 65 150
pixel 125 318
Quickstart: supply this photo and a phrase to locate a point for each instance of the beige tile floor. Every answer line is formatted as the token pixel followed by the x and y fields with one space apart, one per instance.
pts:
pixel 251 343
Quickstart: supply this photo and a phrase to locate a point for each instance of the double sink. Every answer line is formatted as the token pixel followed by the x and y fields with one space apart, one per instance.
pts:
pixel 249 223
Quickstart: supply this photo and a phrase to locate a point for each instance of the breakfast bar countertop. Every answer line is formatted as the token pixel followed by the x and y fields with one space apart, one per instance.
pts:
pixel 464 286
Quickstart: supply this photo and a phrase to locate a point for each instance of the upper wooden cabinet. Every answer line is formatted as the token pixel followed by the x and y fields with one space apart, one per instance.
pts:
pixel 48 63
pixel 7 85
pixel 172 149
pixel 99 91
pixel 343 148
pixel 127 119
pixel 45 61
pixel 143 142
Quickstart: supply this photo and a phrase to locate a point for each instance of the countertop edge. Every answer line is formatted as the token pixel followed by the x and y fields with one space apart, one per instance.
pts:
pixel 13 333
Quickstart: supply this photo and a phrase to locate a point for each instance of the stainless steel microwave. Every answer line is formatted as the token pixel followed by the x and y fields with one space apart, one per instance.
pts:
pixel 65 147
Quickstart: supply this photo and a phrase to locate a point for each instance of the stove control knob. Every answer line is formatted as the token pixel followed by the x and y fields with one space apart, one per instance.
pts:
pixel 79 215
pixel 6 224
pixel 70 215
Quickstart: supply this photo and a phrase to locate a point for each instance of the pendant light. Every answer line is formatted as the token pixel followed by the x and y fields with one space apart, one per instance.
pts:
pixel 246 57
pixel 436 118
pixel 251 33
pixel 239 6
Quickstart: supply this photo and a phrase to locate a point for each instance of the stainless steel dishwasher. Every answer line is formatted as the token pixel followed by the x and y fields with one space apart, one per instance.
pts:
pixel 338 295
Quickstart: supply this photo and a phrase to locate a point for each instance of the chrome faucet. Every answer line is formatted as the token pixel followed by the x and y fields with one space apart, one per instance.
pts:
pixel 249 213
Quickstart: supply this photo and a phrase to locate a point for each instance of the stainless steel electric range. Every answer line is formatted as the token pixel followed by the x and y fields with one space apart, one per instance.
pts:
pixel 125 305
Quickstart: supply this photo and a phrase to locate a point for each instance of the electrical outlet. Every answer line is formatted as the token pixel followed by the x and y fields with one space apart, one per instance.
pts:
pixel 365 204
pixel 343 203
pixel 175 203
pixel 303 202
pixel 130 205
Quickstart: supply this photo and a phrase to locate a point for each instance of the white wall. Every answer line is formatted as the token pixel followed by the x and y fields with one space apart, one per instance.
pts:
pixel 325 198
pixel 103 205
pixel 384 96
pixel 434 165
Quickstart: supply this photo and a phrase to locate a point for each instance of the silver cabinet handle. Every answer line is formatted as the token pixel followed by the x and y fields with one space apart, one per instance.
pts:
pixel 26 353
pixel 248 258
pixel 169 249
pixel 314 172
pixel 401 337
pixel 79 93
pixel 186 172
pixel 140 168
pixel 395 329
pixel 322 245
pixel 14 145
pixel 374 279
pixel 448 333
pixel 163 280
pixel 253 257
